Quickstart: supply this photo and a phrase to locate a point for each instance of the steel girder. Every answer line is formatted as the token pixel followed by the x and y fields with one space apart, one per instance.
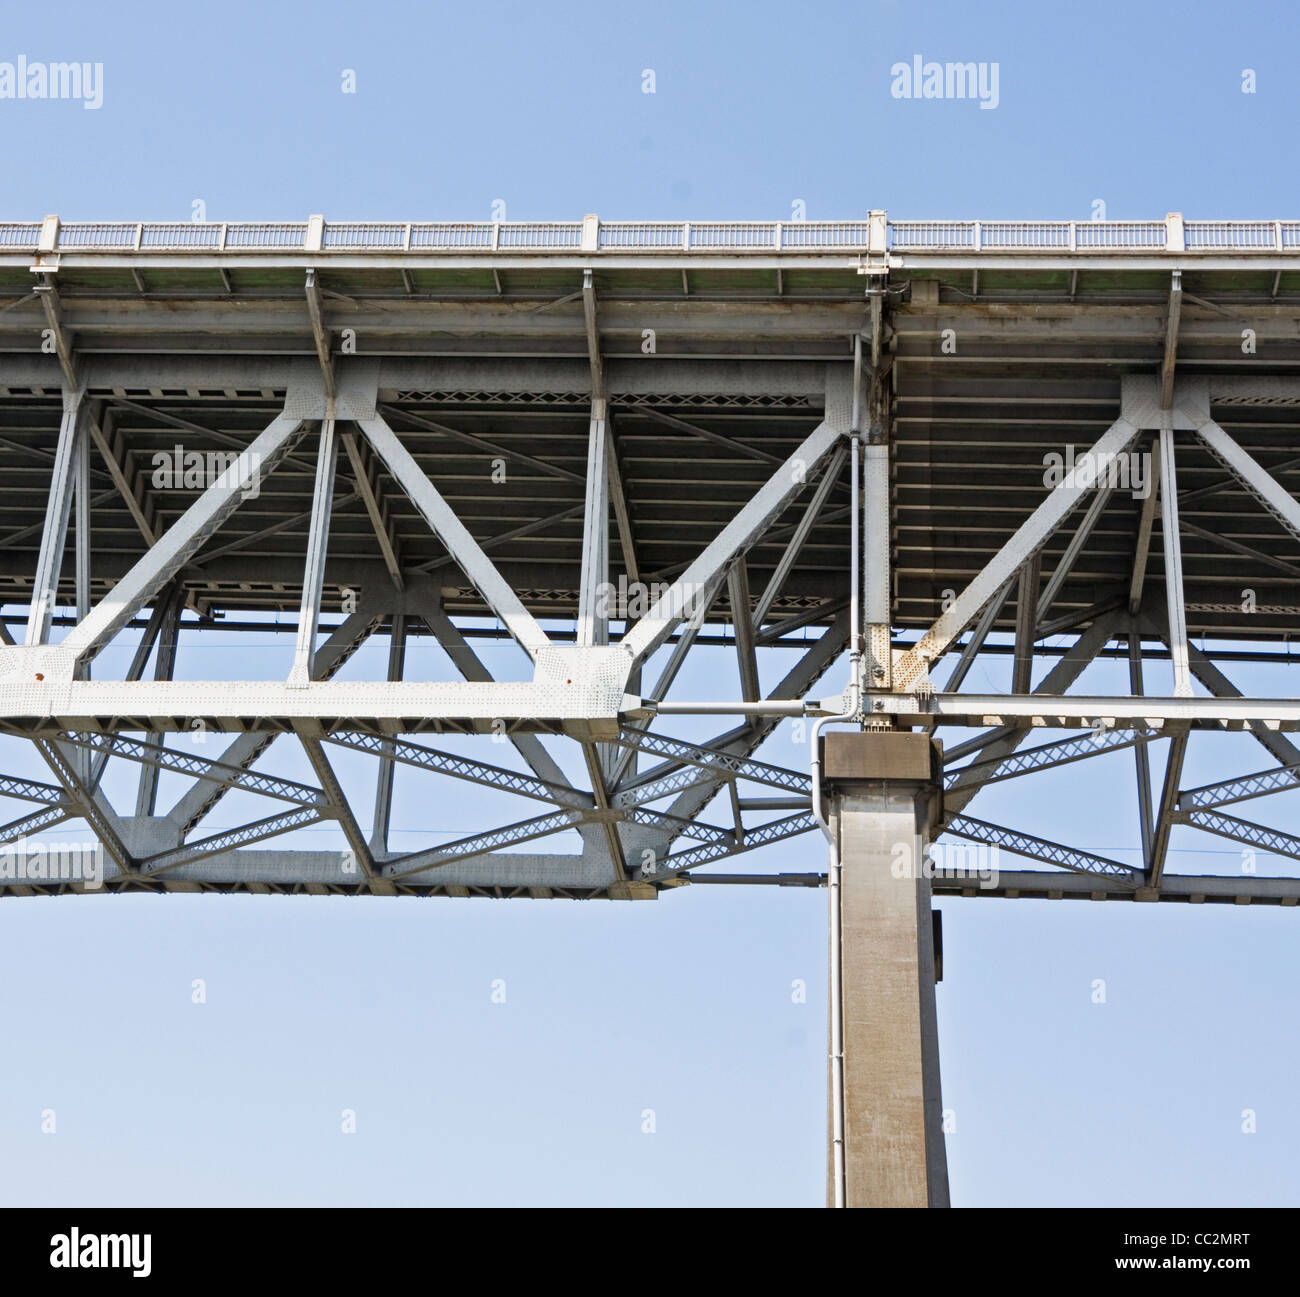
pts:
pixel 1283 779
pixel 587 692
pixel 261 716
pixel 1026 844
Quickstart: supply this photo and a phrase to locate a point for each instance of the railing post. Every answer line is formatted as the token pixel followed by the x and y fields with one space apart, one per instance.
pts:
pixel 1277 235
pixel 1074 244
pixel 777 240
pixel 406 237
pixel 877 231
pixel 49 237
pixel 1175 233
pixel 315 234
pixel 590 232
pixel 975 235
pixel 686 236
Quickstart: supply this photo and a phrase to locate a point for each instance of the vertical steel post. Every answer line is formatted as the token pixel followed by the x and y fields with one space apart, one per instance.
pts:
pixel 1173 560
pixel 45 586
pixel 387 767
pixel 313 580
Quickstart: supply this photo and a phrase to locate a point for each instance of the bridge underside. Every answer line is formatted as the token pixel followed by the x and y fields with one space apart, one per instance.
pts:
pixel 477 516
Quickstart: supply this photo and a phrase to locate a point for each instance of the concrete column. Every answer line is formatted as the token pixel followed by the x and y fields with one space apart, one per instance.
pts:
pixel 883 792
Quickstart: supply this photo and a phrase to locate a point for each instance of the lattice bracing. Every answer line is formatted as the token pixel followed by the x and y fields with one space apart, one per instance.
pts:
pixel 583 485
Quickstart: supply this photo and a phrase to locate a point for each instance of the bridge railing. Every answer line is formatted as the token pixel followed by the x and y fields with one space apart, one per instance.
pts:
pixel 731 237
pixel 19 234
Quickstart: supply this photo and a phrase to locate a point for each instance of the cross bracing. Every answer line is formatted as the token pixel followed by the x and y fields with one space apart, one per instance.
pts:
pixel 559 462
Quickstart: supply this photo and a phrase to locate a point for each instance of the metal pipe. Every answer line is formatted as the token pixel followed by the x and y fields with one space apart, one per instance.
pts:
pixel 766 708
pixel 776 880
pixel 833 878
pixel 853 712
pixel 836 962
pixel 855 508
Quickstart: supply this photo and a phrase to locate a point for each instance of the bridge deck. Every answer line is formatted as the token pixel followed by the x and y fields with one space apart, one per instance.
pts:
pixel 715 338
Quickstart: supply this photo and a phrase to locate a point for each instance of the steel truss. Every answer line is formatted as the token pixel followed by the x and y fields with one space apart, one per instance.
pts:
pixel 375 448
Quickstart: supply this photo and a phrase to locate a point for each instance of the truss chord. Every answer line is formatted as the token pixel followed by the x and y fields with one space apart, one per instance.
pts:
pixel 1026 844
pixel 161 757
pixel 754 376
pixel 1283 779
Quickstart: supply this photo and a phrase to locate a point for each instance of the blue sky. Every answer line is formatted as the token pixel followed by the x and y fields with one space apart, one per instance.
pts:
pixel 683 1006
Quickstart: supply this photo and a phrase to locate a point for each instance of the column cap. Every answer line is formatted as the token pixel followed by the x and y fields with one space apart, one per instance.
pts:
pixel 875 755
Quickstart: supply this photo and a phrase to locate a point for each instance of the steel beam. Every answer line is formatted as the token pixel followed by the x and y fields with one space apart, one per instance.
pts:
pixel 1146 524
pixel 593 586
pixel 1026 626
pixel 1221 687
pixel 1208 796
pixel 1028 539
pixel 181 541
pixel 1036 848
pixel 343 641
pixel 1195 889
pixel 1141 757
pixel 1171 340
pixel 976 642
pixel 125 489
pixel 1062 675
pixel 369 494
pixel 677 602
pixel 685 640
pixel 1071 556
pixel 799 537
pixel 89 804
pixel 384 779
pixel 156 756
pixel 449 529
pixel 226 841
pixel 26 825
pixel 164 668
pixel 1046 757
pixel 1164 819
pixel 1174 598
pixel 45 584
pixel 313 580
pixel 622 513
pixel 320 334
pixel 742 621
pixel 310 735
pixel 1258 835
pixel 419 862
pixel 1261 484
pixel 460 767
pixel 31 790
pixel 495 449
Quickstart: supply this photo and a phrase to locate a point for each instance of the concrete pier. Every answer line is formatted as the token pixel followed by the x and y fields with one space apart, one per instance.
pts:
pixel 883 797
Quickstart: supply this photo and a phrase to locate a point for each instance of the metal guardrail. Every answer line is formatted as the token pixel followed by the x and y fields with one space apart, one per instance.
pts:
pixel 1029 236
pixel 18 234
pixel 317 235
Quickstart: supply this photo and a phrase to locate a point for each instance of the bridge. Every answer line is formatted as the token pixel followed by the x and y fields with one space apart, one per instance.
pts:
pixel 553 459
